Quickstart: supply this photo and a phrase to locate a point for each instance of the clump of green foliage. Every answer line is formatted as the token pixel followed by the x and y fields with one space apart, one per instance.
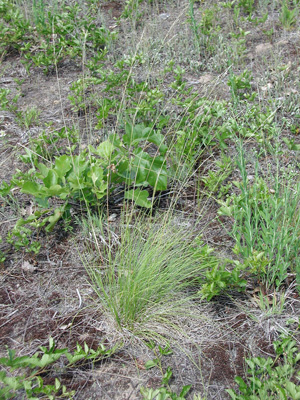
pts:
pixel 164 391
pixel 32 370
pixel 51 37
pixel 89 177
pixel 269 378
pixel 266 226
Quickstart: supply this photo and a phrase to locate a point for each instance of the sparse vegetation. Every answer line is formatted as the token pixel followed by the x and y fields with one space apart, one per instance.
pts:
pixel 149 196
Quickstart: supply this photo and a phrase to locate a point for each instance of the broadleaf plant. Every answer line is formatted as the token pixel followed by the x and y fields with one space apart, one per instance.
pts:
pixel 30 369
pixel 90 176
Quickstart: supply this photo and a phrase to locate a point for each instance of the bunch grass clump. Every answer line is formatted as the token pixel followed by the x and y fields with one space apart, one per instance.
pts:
pixel 152 274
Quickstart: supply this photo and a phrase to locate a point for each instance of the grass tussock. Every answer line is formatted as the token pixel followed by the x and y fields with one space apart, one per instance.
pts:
pixel 153 275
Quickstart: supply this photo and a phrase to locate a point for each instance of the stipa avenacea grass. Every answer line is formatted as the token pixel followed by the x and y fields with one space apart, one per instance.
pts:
pixel 148 278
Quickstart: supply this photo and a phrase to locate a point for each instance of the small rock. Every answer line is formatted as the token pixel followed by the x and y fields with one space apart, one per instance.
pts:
pixel 267 87
pixel 206 78
pixel 112 218
pixel 6 80
pixel 164 16
pixel 282 43
pixel 263 48
pixel 27 267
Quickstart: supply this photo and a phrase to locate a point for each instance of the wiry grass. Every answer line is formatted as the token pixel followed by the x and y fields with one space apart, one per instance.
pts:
pixel 151 277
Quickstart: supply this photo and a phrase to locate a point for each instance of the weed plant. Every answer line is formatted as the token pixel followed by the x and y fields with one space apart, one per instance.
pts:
pixel 266 225
pixel 272 379
pixel 31 371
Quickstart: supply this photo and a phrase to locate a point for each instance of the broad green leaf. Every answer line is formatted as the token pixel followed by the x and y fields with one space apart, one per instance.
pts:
pixel 150 170
pixel 51 344
pixel 80 165
pixel 104 150
pixel 158 139
pixel 51 179
pixel 126 172
pixel 44 170
pixel 115 140
pixel 5 188
pixel 151 363
pixel 63 164
pixel 140 197
pixel 232 394
pixel 42 202
pixel 55 190
pixel 293 390
pixel 53 219
pixel 96 174
pixel 30 187
pixel 57 384
pixel 136 133
pixel 157 176
pixel 74 358
pixel 12 382
pixel 77 183
pixel 142 163
pixel 185 390
pixel 48 359
pixel 27 384
pixel 291 144
pixel 100 190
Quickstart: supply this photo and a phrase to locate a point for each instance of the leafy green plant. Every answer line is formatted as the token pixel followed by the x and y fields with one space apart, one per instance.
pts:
pixel 3 98
pixel 29 117
pixel 144 101
pixel 89 177
pixel 240 86
pixel 291 145
pixel 52 36
pixel 131 10
pixel 288 17
pixel 219 280
pixel 164 392
pixel 5 102
pixel 255 123
pixel 70 177
pixel 256 21
pixel 205 31
pixel 271 379
pixel 266 226
pixel 32 369
pixel 214 181
pixel 200 127
pixel 39 12
pixel 50 144
pixel 246 5
pixel 271 306
pixel 13 27
pixel 22 237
